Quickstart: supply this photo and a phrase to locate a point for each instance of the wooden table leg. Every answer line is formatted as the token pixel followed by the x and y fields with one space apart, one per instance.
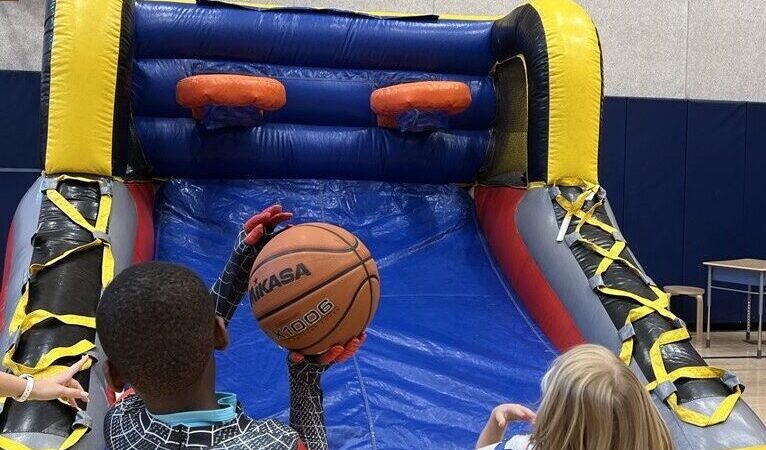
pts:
pixel 709 301
pixel 700 307
pixel 760 316
pixel 749 308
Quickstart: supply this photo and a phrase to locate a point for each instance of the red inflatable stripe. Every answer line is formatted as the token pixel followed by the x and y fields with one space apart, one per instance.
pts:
pixel 6 271
pixel 496 210
pixel 143 200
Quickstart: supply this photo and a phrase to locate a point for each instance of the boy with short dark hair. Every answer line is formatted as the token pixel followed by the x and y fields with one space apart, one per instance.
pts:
pixel 159 328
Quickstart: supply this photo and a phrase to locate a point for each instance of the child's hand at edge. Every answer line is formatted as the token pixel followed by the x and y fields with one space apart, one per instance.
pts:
pixel 508 412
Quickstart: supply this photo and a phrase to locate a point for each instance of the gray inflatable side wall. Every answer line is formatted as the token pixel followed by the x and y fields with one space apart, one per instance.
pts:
pixel 25 222
pixel 121 231
pixel 536 222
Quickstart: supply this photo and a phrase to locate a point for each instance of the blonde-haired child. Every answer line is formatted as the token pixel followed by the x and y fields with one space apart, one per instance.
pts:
pixel 591 401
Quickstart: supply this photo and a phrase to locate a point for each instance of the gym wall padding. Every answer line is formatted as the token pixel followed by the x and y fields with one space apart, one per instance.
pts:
pixel 755 163
pixel 715 223
pixel 611 153
pixel 19 143
pixel 653 190
pixel 19 124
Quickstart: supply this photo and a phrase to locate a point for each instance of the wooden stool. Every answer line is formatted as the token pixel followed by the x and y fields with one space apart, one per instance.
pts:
pixel 694 292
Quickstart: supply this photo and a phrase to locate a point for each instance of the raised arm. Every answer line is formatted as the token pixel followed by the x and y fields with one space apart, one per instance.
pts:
pixel 231 285
pixel 306 410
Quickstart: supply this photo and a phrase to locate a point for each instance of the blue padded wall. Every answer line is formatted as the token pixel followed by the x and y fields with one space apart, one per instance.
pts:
pixel 714 225
pixel 19 119
pixel 19 143
pixel 654 185
pixel 611 156
pixel 755 168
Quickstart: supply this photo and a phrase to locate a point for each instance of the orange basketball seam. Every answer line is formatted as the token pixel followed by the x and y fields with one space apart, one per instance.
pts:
pixel 364 265
pixel 298 252
pixel 308 290
pixel 354 246
pixel 339 321
pixel 369 312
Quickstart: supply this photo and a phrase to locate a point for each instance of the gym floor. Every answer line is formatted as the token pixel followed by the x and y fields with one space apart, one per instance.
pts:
pixel 728 350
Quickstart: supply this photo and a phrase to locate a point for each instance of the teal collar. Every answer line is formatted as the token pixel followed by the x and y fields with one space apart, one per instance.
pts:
pixel 226 412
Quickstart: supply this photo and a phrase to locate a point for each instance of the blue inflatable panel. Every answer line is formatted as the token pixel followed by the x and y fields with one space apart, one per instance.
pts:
pixel 314 96
pixel 449 340
pixel 311 38
pixel 182 148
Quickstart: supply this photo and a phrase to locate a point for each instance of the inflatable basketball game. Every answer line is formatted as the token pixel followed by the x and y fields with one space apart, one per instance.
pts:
pixel 463 152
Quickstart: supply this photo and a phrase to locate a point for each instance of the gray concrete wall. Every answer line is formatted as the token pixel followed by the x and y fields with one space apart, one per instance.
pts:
pixel 700 49
pixel 21 34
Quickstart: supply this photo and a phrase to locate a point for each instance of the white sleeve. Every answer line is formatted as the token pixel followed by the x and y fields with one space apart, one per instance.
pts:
pixel 489 447
pixel 518 442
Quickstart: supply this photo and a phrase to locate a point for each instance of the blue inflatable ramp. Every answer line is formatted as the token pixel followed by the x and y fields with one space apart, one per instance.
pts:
pixel 449 340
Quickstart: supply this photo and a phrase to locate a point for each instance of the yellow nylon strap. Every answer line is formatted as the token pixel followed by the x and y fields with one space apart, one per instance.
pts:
pixel 34 268
pixel 572 210
pixel 102 222
pixel 690 416
pixel 22 322
pixel 573 182
pixel 41 369
pixel 577 204
pixel 691 372
pixel 588 215
pixel 40 315
pixel 659 305
pixel 626 351
pixel 20 312
pixel 68 209
pixel 687 415
pixel 655 354
pixel 610 256
pixel 64 177
pixel 78 432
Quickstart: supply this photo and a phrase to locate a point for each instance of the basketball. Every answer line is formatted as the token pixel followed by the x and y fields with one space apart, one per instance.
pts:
pixel 313 286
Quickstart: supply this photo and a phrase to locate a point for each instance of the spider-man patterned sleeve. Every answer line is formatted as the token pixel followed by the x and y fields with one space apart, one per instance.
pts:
pixel 231 285
pixel 306 411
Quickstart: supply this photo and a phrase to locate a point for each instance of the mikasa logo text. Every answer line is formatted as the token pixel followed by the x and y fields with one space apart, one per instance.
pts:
pixel 301 324
pixel 286 276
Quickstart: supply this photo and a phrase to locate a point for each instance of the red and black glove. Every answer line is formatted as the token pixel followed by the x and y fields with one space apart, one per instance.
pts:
pixel 306 397
pixel 264 223
pixel 228 290
pixel 336 353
